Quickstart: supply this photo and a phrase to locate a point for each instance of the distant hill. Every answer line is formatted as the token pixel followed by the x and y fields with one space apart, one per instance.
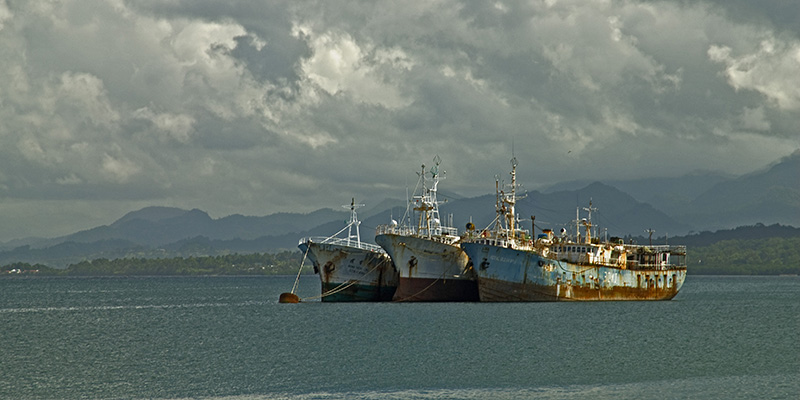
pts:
pixel 616 211
pixel 162 232
pixel 712 201
pixel 165 231
pixel 706 238
pixel 62 254
pixel 699 202
pixel 153 214
pixel 768 196
pixel 156 226
pixel 668 194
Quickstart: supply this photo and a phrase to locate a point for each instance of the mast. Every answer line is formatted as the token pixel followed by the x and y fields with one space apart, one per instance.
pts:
pixel 434 214
pixel 512 201
pixel 588 223
pixel 506 205
pixel 427 205
pixel 421 209
pixel 353 223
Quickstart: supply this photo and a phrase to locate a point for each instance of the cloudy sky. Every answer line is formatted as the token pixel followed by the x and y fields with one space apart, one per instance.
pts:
pixel 256 107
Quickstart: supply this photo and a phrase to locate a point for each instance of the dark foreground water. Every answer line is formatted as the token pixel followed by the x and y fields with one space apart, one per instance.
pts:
pixel 228 338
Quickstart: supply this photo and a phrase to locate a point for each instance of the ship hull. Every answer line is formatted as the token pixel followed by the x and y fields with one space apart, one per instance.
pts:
pixel 510 275
pixel 429 270
pixel 350 273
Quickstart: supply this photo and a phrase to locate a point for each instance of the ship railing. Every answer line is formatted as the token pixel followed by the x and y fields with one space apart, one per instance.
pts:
pixel 654 266
pixel 409 231
pixel 491 241
pixel 395 229
pixel 673 249
pixel 439 231
pixel 342 242
pixel 449 230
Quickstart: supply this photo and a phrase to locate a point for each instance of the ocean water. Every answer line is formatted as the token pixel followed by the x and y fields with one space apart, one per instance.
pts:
pixel 229 338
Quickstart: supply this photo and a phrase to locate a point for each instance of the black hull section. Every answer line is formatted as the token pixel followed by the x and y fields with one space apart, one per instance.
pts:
pixel 436 290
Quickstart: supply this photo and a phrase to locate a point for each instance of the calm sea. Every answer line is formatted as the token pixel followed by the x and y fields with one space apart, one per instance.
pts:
pixel 228 338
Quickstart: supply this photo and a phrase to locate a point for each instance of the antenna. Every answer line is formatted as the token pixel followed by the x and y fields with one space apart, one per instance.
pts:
pixel 589 226
pixel 651 232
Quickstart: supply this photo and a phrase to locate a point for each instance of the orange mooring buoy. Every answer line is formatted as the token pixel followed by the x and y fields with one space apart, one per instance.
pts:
pixel 289 298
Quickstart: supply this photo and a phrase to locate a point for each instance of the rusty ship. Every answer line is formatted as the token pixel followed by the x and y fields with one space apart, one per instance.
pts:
pixel 350 269
pixel 431 265
pixel 513 266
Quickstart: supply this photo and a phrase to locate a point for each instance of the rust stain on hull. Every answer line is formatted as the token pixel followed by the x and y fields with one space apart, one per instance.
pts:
pixel 430 270
pixel 498 290
pixel 352 274
pixel 506 274
pixel 512 265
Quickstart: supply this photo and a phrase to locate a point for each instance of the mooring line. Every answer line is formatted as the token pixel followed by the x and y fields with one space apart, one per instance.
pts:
pixel 420 292
pixel 340 287
pixel 299 270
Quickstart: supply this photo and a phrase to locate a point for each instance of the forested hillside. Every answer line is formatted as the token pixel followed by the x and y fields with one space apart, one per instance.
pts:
pixel 770 256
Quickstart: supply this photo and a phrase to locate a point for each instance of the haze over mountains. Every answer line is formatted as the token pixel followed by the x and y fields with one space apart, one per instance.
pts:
pixel 711 201
pixel 670 206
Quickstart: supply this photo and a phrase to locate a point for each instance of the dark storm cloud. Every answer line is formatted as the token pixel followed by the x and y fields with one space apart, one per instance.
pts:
pixel 274 56
pixel 782 14
pixel 255 107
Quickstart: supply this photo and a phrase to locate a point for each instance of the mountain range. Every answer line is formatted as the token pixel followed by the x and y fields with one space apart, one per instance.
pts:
pixel 702 201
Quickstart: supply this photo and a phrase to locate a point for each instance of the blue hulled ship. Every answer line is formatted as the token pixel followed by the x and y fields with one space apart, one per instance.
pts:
pixel 511 265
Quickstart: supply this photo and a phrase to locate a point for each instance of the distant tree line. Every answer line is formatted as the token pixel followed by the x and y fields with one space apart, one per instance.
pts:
pixel 707 238
pixel 768 256
pixel 283 263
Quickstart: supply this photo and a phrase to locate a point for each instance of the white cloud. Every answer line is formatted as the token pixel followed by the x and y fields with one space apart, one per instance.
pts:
pixel 178 127
pixel 70 179
pixel 771 69
pixel 339 64
pixel 5 13
pixel 119 169
pixel 84 93
pixel 32 149
pixel 754 119
pixel 193 41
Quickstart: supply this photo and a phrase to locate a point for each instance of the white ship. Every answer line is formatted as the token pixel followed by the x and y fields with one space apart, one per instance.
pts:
pixel 425 252
pixel 349 269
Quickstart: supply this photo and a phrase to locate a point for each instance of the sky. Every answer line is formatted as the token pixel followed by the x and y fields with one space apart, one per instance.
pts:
pixel 257 107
